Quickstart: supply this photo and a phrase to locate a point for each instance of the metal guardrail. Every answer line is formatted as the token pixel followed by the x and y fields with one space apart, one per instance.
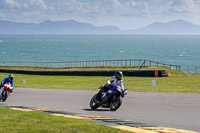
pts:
pixel 101 63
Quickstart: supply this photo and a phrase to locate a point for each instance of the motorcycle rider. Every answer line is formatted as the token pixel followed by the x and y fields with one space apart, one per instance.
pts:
pixel 8 79
pixel 115 80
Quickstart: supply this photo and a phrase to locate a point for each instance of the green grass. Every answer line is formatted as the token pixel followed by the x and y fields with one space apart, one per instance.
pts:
pixel 13 121
pixel 177 82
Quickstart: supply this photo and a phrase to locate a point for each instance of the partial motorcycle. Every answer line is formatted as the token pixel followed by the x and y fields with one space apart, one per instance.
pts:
pixel 6 92
pixel 111 99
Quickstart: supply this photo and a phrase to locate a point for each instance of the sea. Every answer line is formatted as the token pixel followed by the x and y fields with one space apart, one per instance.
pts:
pixel 172 49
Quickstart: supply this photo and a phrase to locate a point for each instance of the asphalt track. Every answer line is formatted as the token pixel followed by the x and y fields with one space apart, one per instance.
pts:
pixel 180 111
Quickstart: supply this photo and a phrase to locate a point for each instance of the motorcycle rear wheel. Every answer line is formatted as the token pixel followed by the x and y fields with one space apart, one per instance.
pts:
pixel 93 102
pixel 115 103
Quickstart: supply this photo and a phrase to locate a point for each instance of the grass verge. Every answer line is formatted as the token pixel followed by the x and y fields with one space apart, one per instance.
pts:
pixel 177 82
pixel 83 68
pixel 18 121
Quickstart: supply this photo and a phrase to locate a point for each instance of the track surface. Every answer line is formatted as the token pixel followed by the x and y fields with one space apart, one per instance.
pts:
pixel 161 109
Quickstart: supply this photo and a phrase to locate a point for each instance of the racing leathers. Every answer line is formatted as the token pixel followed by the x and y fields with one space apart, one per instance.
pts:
pixel 112 82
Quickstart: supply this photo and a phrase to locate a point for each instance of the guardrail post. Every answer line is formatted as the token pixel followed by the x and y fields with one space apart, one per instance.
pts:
pixel 188 69
pixel 139 62
pixel 196 69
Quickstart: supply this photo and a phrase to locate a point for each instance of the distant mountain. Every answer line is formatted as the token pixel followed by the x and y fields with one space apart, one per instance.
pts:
pixel 58 27
pixel 177 27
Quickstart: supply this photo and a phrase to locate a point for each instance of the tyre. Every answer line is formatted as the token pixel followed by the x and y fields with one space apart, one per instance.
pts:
pixel 93 102
pixel 115 103
pixel 4 96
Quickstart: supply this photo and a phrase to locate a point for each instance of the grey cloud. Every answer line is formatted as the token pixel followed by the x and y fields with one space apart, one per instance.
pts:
pixel 9 4
pixel 185 6
pixel 37 4
pixel 2 15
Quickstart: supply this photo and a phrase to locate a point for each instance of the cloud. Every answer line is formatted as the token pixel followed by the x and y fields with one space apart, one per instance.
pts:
pixel 76 8
pixel 37 4
pixel 9 4
pixel 71 6
pixel 2 15
pixel 185 6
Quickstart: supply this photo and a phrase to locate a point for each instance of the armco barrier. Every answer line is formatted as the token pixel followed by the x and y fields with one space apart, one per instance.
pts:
pixel 137 73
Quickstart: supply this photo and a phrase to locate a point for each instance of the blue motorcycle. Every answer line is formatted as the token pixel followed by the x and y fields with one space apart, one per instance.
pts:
pixel 111 99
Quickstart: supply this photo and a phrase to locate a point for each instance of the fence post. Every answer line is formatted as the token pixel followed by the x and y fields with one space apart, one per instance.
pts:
pixel 188 69
pixel 196 69
pixel 139 62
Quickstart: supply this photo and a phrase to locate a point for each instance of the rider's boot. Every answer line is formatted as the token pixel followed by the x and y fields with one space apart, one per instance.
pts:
pixel 103 89
pixel 98 96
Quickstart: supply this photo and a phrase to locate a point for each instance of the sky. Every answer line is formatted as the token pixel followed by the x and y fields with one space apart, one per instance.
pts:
pixel 125 14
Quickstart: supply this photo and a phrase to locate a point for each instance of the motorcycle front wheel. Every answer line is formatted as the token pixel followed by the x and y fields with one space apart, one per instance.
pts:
pixel 4 96
pixel 93 102
pixel 115 103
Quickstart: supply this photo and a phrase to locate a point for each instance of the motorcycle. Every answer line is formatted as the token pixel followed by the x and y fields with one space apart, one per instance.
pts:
pixel 111 99
pixel 6 92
